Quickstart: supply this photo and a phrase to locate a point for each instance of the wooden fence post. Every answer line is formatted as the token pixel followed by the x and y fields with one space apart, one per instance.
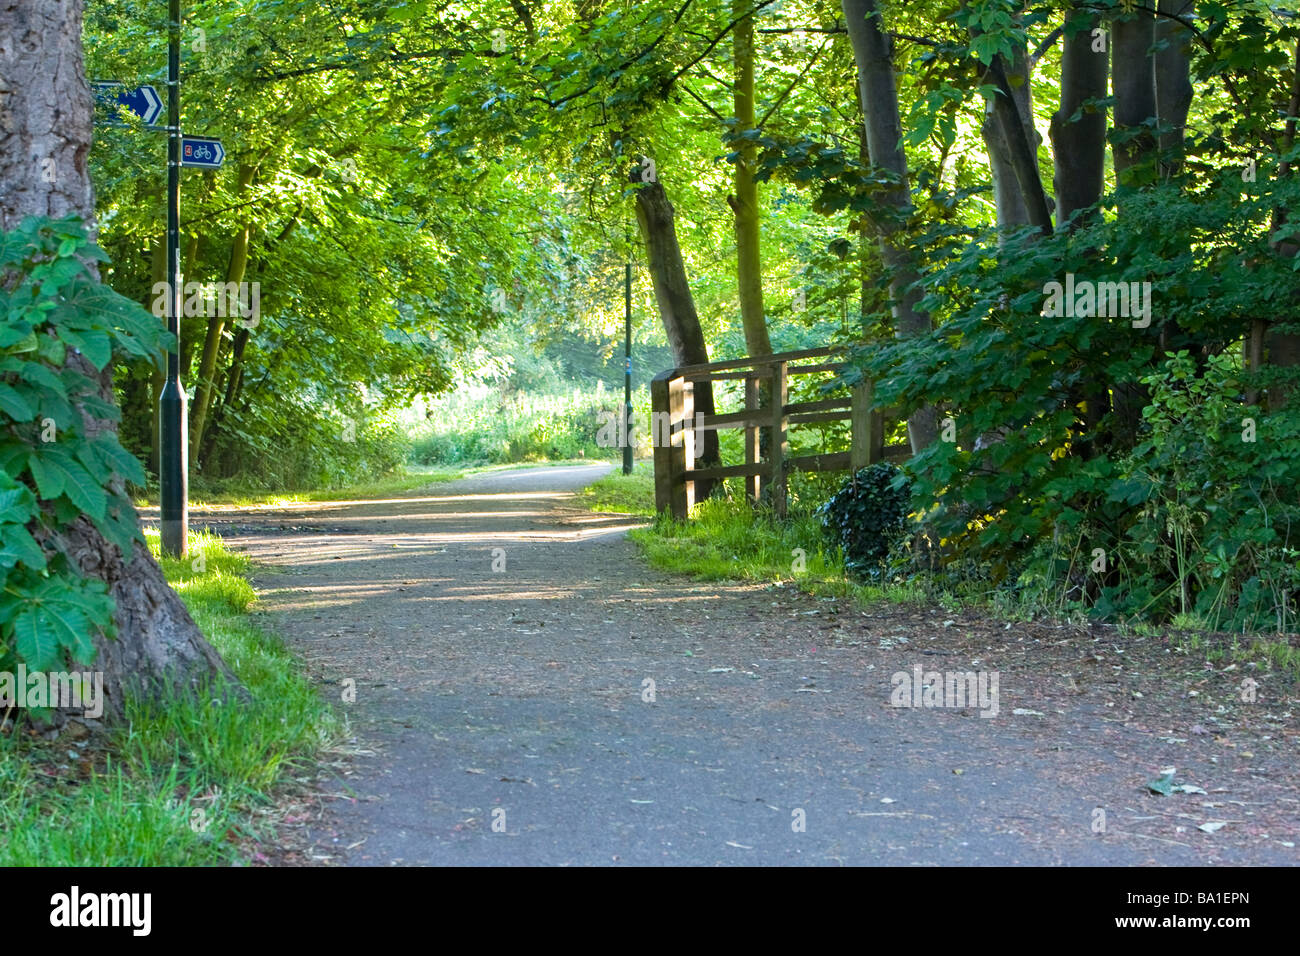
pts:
pixel 684 498
pixel 751 437
pixel 659 415
pixel 780 447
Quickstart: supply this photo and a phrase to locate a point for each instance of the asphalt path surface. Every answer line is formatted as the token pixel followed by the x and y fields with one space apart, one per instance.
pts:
pixel 528 691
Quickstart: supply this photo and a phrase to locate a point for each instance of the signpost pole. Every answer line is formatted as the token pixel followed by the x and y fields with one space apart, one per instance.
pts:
pixel 627 360
pixel 173 465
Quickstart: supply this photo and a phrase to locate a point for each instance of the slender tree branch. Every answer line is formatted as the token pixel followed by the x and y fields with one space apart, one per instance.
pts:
pixel 790 89
pixel 695 96
pixel 1049 41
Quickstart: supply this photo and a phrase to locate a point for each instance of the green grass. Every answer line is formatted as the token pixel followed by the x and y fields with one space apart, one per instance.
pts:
pixel 182 782
pixel 732 541
pixel 632 494
pixel 728 540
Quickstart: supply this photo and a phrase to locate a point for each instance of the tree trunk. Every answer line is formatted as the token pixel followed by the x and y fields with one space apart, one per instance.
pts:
pixel 654 215
pixel 1079 146
pixel 1133 79
pixel 749 269
pixel 1079 154
pixel 1008 199
pixel 157 274
pixel 235 374
pixel 46 103
pixel 191 326
pixel 871 52
pixel 205 383
pixel 1012 144
pixel 1282 347
pixel 1173 80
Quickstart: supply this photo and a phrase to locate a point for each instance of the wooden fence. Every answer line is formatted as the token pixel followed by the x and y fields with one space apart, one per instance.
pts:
pixel 674 423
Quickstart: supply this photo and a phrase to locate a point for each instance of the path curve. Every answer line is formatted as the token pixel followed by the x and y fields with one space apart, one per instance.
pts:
pixel 501 638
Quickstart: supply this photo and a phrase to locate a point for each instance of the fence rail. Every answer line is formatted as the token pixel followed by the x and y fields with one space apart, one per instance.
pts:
pixel 675 424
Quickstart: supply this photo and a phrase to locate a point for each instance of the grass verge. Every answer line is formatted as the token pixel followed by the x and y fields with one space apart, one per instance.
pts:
pixel 183 782
pixel 729 540
pixel 632 494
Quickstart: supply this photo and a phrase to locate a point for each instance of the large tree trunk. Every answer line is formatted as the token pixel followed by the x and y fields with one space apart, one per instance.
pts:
pixel 871 52
pixel 1133 80
pixel 1012 143
pixel 1008 199
pixel 1173 80
pixel 1079 153
pixel 46 104
pixel 744 204
pixel 654 215
pixel 1282 347
pixel 1173 62
pixel 1079 146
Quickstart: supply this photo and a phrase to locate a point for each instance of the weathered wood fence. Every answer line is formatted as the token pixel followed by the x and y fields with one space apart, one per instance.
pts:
pixel 674 424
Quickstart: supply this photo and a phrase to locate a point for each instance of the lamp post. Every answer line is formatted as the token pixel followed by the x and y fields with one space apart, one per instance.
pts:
pixel 627 362
pixel 173 464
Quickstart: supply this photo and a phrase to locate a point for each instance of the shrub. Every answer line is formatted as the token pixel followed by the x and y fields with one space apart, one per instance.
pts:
pixel 867 516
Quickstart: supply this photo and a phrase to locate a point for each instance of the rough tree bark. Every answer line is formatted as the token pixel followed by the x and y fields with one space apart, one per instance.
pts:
pixel 1079 146
pixel 1012 144
pixel 874 59
pixel 1173 80
pixel 654 215
pixel 744 204
pixel 1008 199
pixel 1079 156
pixel 1133 80
pixel 45 123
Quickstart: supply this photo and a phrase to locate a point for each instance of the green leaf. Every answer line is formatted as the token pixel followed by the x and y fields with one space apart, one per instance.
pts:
pixel 117 458
pixel 18 545
pixel 16 332
pixel 17 504
pixel 83 490
pixel 13 404
pixel 36 639
pixel 94 344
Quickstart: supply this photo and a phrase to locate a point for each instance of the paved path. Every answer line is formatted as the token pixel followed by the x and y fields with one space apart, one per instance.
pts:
pixel 500 639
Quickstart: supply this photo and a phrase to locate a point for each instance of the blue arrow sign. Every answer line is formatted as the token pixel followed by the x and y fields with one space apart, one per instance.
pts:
pixel 143 101
pixel 202 152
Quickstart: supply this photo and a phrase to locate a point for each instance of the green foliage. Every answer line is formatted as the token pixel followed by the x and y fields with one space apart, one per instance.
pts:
pixel 1046 466
pixel 867 516
pixel 484 426
pixel 184 782
pixel 59 464
pixel 303 446
pixel 1218 534
pixel 730 540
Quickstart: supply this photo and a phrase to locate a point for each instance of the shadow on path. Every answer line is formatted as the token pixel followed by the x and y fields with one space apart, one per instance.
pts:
pixel 501 639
